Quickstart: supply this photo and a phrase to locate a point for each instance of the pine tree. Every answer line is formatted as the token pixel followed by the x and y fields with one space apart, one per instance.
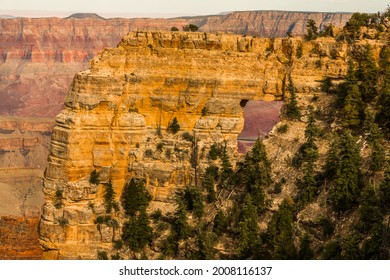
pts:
pixel 135 197
pixel 353 108
pixel 136 232
pixel 280 232
pixel 109 195
pixel 305 251
pixel 173 126
pixel 311 29
pixel 226 168
pixel 291 106
pixel 345 172
pixel 255 174
pixel 180 226
pixel 308 184
pixel 249 238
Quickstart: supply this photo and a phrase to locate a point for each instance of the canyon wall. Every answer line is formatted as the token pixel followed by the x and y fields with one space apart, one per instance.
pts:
pixel 39 56
pixel 117 115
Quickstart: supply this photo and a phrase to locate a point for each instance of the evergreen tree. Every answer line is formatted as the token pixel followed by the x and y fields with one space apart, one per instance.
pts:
pixel 204 245
pixel 353 108
pixel 375 139
pixel 136 232
pixel 249 238
pixel 135 197
pixel 344 163
pixel 193 200
pixel 180 226
pixel 305 251
pixel 280 232
pixel 226 168
pixel 220 223
pixel 311 30
pixel 173 126
pixel 291 106
pixel 109 195
pixel 255 174
pixel 385 191
pixel 368 73
pixel 308 184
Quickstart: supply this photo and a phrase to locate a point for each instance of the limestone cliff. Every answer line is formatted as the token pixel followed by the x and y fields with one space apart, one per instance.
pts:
pixel 117 113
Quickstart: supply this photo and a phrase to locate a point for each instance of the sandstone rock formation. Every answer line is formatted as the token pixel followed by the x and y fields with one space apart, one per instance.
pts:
pixel 117 113
pixel 38 57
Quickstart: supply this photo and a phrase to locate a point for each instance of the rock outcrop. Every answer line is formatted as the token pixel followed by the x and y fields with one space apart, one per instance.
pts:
pixel 118 112
pixel 38 57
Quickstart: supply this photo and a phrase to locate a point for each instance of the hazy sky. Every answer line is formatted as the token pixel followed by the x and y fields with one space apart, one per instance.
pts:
pixel 182 7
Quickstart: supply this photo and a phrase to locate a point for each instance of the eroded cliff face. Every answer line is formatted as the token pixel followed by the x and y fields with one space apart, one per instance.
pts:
pixel 38 57
pixel 117 113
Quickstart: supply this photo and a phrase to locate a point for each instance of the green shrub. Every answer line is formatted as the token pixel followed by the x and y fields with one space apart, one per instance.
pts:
pixel 58 199
pixel 102 255
pixel 160 146
pixel 174 28
pixel 173 126
pixel 148 153
pixel 215 151
pixel 94 177
pixel 188 137
pixel 282 129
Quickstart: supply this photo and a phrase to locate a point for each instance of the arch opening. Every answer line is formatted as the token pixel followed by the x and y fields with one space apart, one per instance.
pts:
pixel 260 117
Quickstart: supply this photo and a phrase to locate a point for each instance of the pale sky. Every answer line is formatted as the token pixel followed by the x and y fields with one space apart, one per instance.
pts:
pixel 168 8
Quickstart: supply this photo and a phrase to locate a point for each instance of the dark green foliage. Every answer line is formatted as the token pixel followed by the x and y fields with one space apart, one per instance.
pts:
pixel 94 177
pixel 118 244
pixel 255 174
pixel 107 220
pixel 354 24
pixel 375 139
pixel 332 251
pixel 180 226
pixel 156 215
pixel 135 197
pixel 367 72
pixel 305 251
pixel 311 30
pixel 188 137
pixel 173 126
pixel 370 212
pixel 344 168
pixel 308 156
pixel 58 199
pixel 383 116
pixel 204 112
pixel 204 245
pixel 215 151
pixel 136 232
pixel 385 191
pixel 148 153
pixel 352 109
pixel 299 51
pixel 220 223
pixel 249 237
pixel 282 129
pixel 62 221
pixel 190 27
pixel 102 255
pixel 327 31
pixel 117 256
pixel 193 199
pixel 109 195
pixel 280 233
pixel 174 28
pixel 350 247
pixel 226 167
pixel 160 146
pixel 291 109
pixel 210 177
pixel 327 226
pixel 326 85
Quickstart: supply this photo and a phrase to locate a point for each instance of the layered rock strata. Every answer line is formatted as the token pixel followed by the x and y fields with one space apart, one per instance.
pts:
pixel 117 113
